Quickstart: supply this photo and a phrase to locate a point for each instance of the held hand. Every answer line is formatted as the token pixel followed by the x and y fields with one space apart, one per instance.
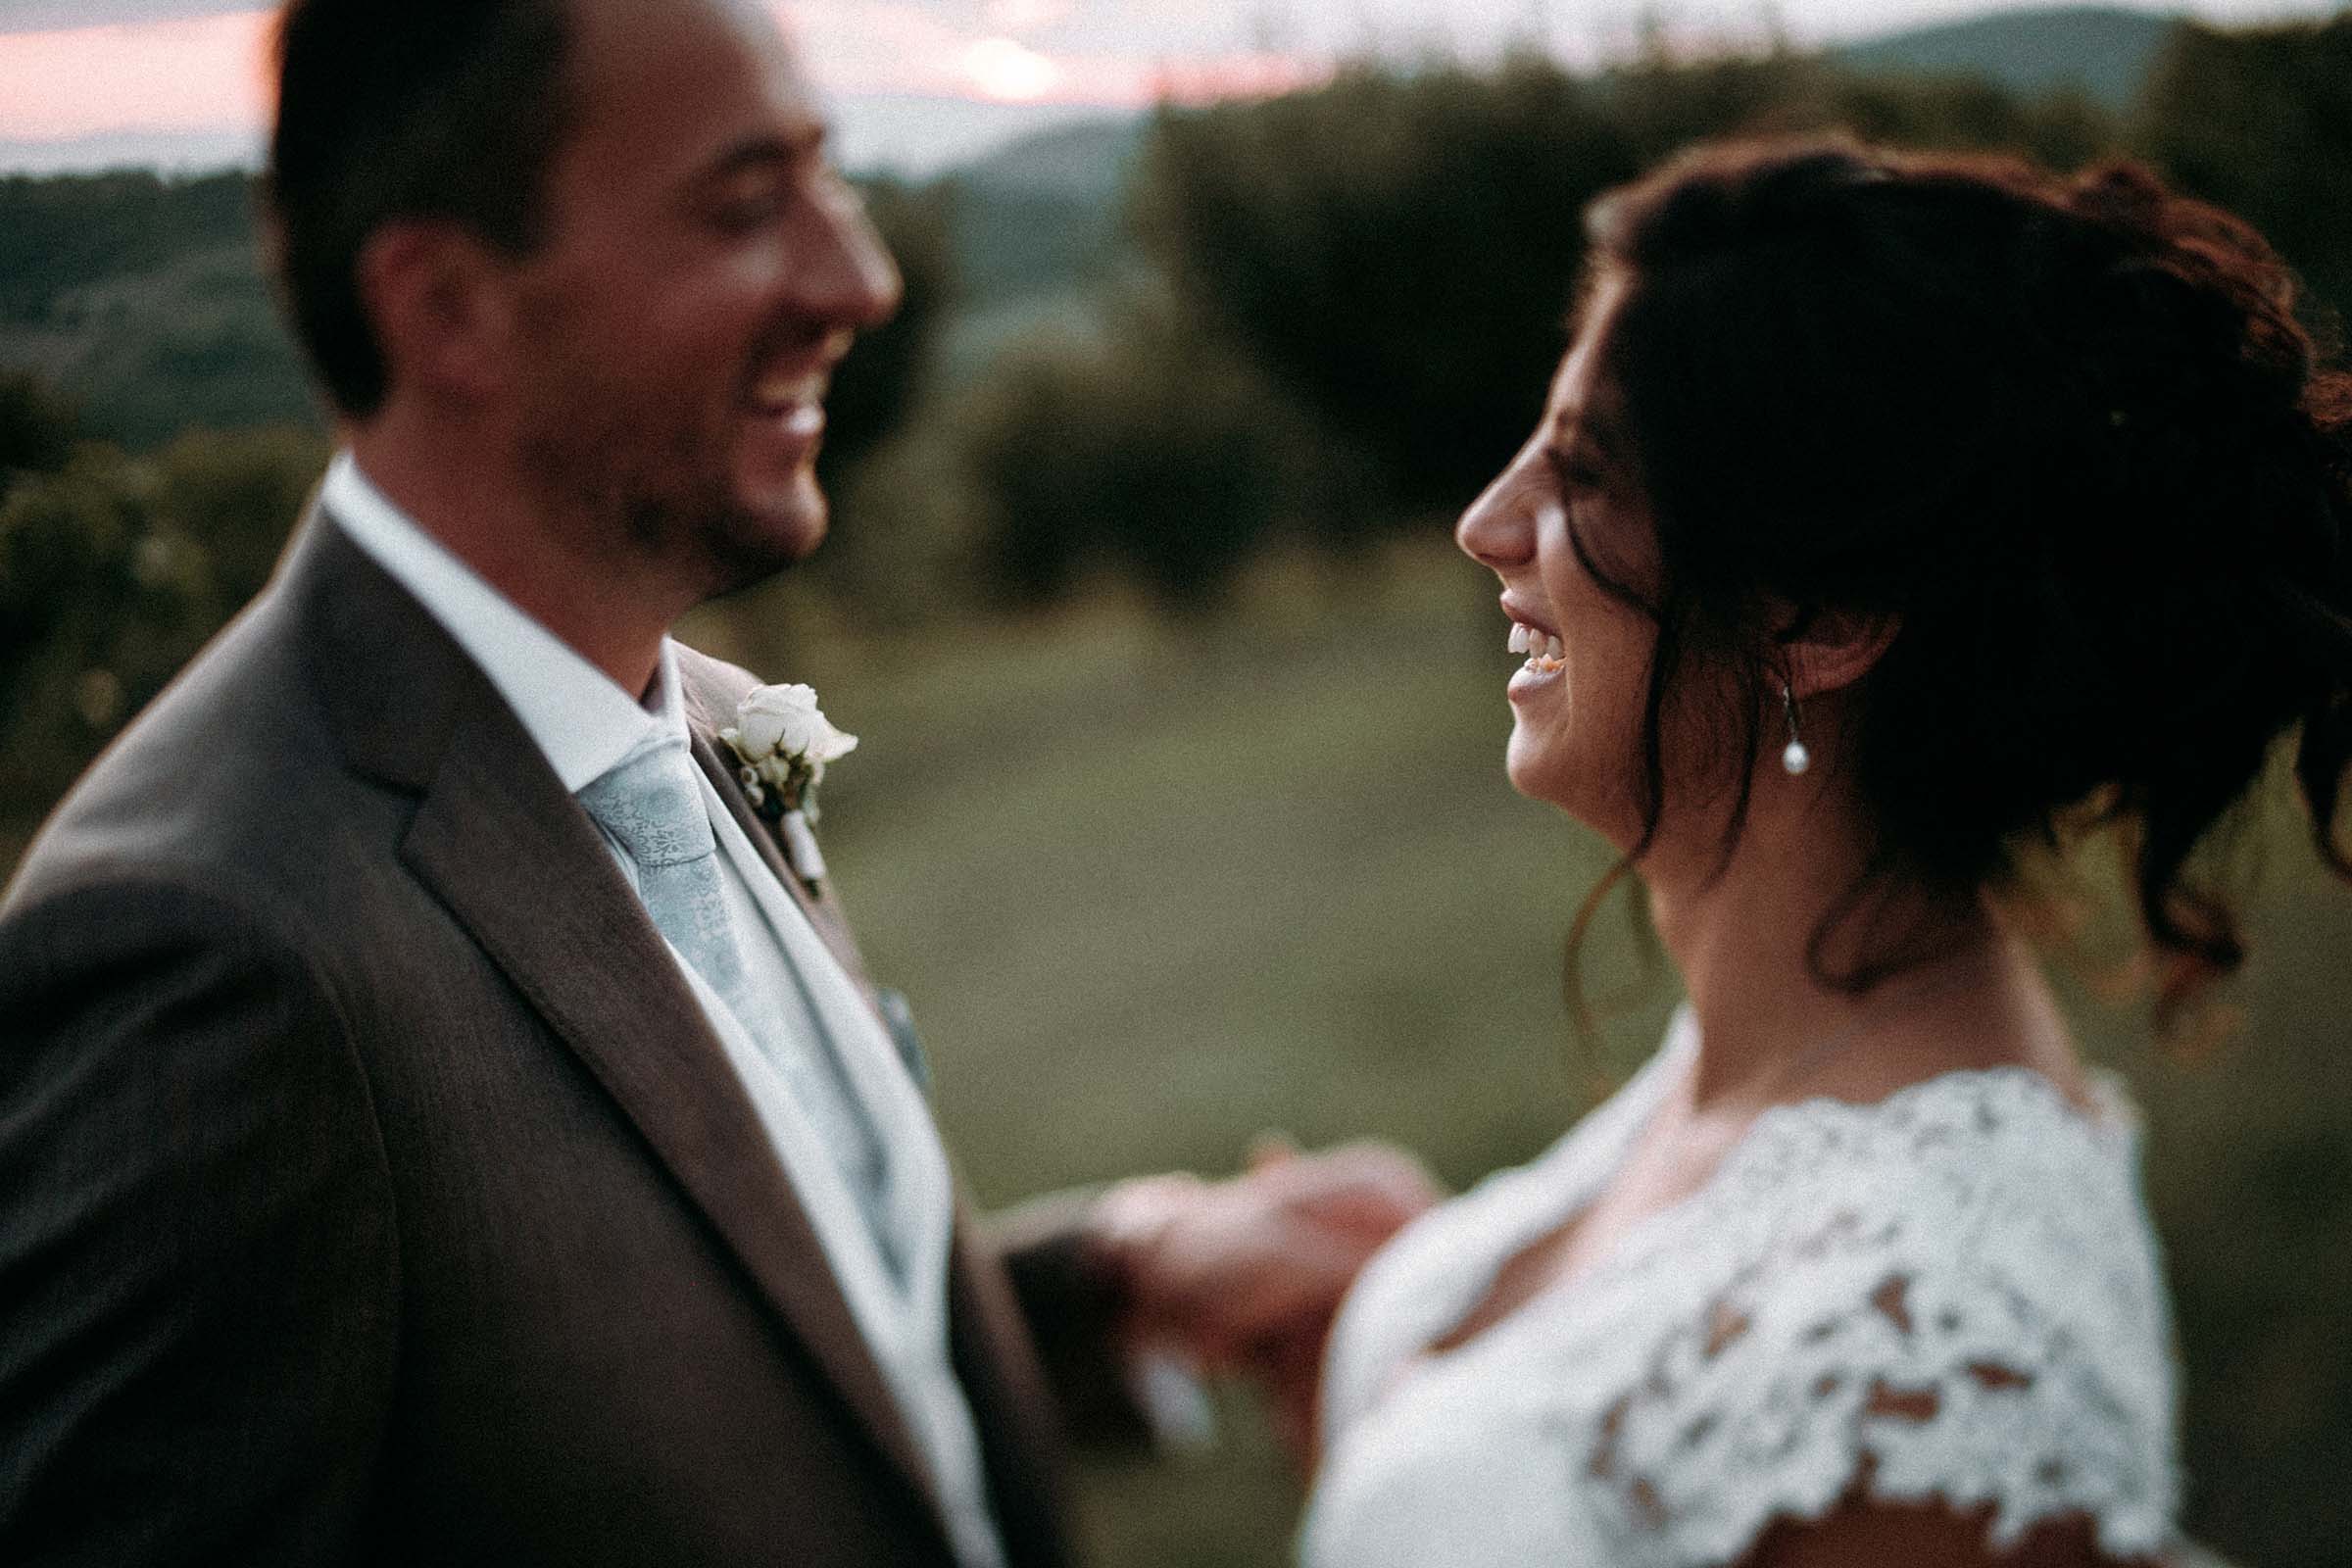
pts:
pixel 1245 1274
pixel 1218 1267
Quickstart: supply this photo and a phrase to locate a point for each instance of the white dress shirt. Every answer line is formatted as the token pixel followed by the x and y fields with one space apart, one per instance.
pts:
pixel 585 725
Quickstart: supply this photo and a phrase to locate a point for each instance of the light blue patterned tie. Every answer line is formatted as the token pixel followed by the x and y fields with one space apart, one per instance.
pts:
pixel 652 804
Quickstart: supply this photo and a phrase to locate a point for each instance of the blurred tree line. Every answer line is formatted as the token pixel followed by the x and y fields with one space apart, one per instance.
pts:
pixel 60 233
pixel 114 570
pixel 1335 318
pixel 1348 302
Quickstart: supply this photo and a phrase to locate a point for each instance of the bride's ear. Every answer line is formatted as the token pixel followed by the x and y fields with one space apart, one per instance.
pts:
pixel 1830 651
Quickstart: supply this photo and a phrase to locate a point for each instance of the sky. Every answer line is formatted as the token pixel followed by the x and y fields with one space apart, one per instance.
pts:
pixel 916 85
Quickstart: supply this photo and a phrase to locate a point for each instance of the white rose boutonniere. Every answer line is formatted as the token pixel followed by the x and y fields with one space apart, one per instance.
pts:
pixel 784 741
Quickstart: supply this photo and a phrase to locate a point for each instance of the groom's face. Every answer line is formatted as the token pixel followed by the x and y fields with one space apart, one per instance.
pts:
pixel 705 270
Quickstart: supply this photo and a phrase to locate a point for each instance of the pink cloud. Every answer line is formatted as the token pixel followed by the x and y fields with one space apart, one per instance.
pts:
pixel 859 47
pixel 211 74
pixel 1199 79
pixel 197 73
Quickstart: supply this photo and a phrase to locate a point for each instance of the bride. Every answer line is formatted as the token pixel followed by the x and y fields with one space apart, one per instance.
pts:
pixel 1893 521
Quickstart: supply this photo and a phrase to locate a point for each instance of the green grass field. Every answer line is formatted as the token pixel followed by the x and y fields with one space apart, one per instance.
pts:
pixel 1152 891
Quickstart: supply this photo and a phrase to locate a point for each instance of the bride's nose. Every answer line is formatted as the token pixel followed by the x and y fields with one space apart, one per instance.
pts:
pixel 1497 531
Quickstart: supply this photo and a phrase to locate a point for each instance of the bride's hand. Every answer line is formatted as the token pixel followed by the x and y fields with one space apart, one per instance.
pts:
pixel 1244 1274
pixel 1219 1267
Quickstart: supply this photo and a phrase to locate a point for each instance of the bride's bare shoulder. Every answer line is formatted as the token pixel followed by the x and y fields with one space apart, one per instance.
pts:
pixel 1866 1532
pixel 1974 1031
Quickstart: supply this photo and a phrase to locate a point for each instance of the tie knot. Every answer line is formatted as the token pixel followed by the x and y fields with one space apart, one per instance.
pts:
pixel 650 803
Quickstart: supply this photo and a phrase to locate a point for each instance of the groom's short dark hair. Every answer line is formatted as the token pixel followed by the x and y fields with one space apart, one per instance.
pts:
pixel 392 108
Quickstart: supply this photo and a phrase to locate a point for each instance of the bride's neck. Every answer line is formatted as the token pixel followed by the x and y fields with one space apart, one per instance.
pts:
pixel 1744 942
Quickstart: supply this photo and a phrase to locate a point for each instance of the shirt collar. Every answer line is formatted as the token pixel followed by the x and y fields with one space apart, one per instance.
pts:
pixel 583 723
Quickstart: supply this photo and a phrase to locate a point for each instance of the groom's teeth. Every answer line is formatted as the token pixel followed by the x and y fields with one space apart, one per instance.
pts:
pixel 1553 650
pixel 782 390
pixel 1519 637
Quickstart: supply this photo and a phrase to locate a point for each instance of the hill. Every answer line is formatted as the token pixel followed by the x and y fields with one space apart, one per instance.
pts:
pixel 144 297
pixel 1043 213
pixel 2104 51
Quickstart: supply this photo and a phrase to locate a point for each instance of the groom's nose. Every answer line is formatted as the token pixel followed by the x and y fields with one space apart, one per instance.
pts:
pixel 846 276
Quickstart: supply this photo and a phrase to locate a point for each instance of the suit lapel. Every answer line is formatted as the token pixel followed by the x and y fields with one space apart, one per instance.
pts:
pixel 517 861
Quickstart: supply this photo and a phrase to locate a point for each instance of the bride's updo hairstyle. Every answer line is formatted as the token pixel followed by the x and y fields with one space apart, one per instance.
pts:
pixel 2070 432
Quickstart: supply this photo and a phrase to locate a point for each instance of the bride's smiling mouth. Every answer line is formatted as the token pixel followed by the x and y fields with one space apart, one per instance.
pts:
pixel 1546 661
pixel 1539 643
pixel 1544 653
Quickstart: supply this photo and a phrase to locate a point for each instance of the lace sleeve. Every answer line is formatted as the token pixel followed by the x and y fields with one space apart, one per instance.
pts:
pixel 1939 1303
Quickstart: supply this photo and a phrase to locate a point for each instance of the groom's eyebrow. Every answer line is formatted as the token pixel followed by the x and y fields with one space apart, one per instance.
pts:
pixel 800 145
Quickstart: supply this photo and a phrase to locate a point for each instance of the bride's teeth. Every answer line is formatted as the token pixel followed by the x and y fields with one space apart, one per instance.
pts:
pixel 1518 638
pixel 1552 650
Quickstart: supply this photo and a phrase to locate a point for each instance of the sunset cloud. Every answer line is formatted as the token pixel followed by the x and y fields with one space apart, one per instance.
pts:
pixel 195 73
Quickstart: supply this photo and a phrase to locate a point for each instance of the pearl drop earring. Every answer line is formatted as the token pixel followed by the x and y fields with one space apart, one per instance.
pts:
pixel 1794 757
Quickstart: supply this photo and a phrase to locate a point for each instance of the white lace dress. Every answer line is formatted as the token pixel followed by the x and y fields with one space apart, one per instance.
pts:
pixel 1951 1293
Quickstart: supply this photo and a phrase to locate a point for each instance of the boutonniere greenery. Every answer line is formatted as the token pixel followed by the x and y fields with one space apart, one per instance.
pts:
pixel 783 742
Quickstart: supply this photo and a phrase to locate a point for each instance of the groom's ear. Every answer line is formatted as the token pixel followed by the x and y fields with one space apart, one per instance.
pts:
pixel 441 309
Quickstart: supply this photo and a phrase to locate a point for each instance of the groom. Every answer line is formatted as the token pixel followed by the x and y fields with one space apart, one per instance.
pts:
pixel 439 1122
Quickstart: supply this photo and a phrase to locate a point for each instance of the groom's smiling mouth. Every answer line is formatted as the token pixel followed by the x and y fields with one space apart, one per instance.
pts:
pixel 794 399
pixel 786 397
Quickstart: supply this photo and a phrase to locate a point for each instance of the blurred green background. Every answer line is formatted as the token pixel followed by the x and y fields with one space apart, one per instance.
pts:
pixel 1180 811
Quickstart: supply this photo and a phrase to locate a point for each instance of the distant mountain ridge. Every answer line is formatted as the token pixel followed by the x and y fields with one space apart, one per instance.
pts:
pixel 2105 51
pixel 1043 212
pixel 1086 159
pixel 1039 211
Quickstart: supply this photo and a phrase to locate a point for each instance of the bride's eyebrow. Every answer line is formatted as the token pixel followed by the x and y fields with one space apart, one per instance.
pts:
pixel 1583 433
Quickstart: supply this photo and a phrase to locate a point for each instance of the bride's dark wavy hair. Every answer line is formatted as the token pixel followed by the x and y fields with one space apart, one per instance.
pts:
pixel 2072 433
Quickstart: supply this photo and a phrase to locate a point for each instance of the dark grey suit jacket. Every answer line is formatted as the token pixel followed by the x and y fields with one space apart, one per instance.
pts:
pixel 371 1189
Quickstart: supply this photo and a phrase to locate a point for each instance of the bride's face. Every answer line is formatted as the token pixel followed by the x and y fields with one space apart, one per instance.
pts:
pixel 1576 702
